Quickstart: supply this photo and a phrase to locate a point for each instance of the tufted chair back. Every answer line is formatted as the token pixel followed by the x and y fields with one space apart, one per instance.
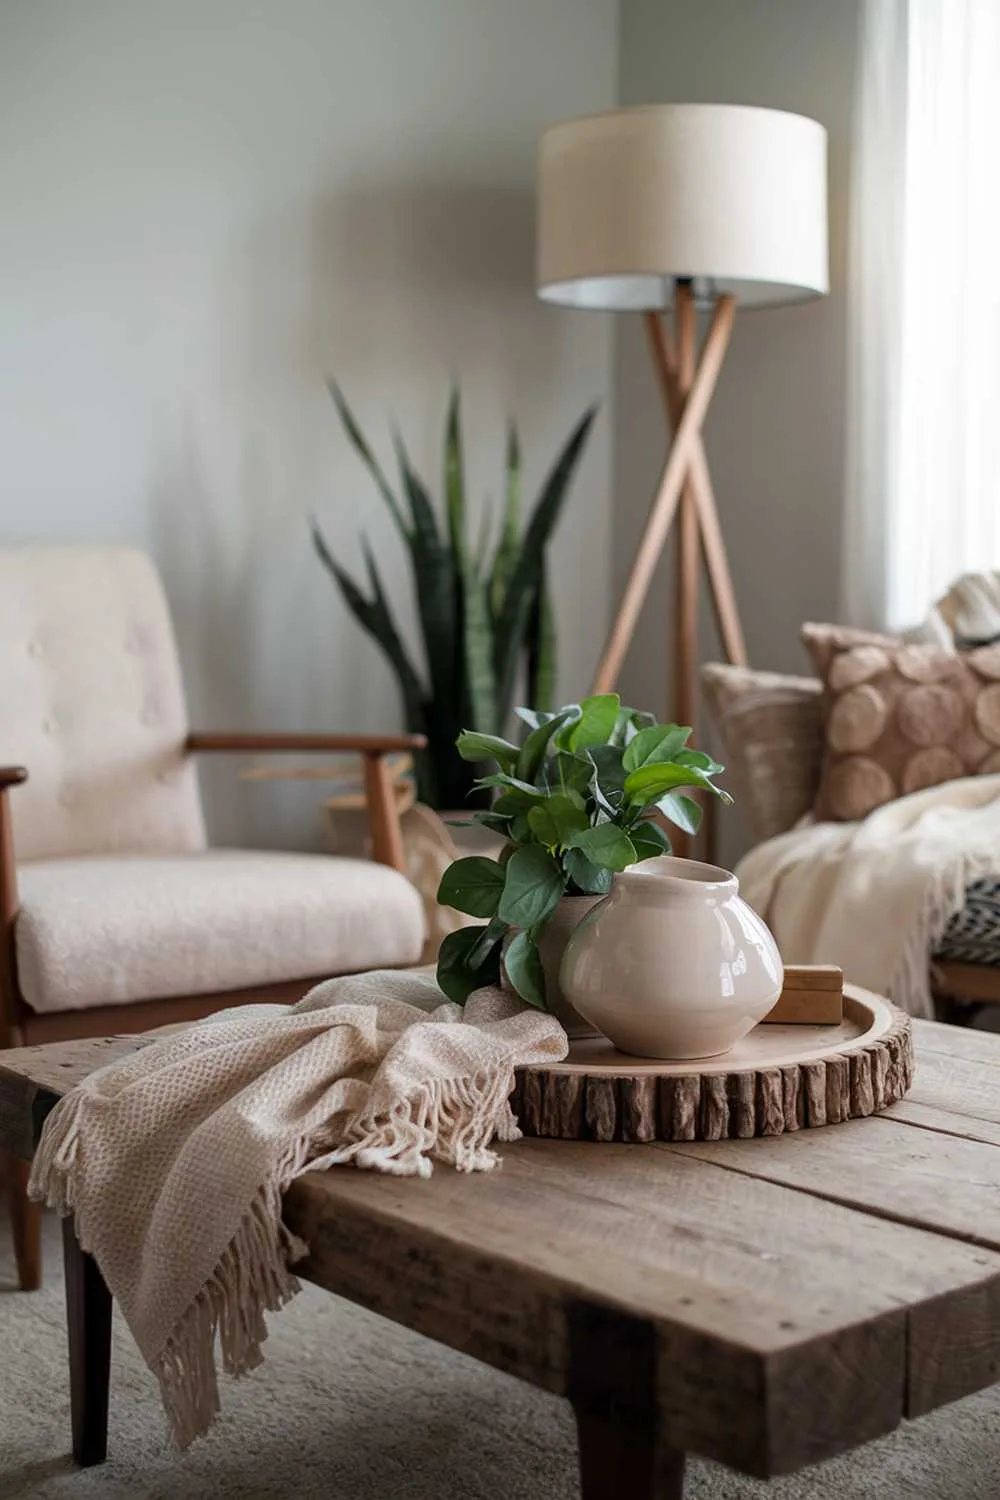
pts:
pixel 91 702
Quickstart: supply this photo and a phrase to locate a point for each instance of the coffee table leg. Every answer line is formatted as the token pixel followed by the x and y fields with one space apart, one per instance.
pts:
pixel 619 1459
pixel 88 1317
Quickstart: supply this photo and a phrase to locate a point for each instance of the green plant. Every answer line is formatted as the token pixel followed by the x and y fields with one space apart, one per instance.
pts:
pixel 484 613
pixel 575 802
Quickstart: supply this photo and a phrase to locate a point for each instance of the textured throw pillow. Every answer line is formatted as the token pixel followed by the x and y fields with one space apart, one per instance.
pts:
pixel 900 717
pixel 772 733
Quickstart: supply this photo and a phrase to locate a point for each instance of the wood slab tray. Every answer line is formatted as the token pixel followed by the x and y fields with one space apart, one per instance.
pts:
pixel 777 1078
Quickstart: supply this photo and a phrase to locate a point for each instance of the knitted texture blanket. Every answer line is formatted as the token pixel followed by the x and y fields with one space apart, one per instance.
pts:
pixel 174 1160
pixel 875 897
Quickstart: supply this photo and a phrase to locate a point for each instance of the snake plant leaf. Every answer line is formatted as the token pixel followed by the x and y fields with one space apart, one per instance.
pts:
pixel 478 654
pixel 454 478
pixel 360 446
pixel 375 617
pixel 483 546
pixel 523 964
pixel 542 647
pixel 527 574
pixel 435 583
pixel 503 565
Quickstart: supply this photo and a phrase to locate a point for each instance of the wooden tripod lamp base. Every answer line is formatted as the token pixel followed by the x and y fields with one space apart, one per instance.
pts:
pixel 641 208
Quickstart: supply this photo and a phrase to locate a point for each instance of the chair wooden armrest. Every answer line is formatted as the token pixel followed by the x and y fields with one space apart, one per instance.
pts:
pixel 383 814
pixel 12 776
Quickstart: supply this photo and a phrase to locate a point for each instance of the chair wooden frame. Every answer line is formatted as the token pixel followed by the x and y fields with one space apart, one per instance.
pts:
pixel 20 1026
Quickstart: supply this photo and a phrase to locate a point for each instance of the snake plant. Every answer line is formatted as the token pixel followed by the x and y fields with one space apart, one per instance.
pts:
pixel 485 612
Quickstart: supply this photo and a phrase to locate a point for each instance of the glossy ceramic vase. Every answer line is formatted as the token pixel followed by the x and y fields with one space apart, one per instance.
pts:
pixel 551 947
pixel 672 964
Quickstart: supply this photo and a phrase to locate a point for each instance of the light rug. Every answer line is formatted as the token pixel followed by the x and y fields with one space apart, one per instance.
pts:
pixel 174 1160
pixel 351 1407
pixel 875 897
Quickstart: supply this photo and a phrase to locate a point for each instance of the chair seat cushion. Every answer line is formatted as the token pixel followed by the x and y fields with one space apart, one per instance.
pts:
pixel 105 931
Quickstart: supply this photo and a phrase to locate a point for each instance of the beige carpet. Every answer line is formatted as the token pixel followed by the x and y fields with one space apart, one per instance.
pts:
pixel 349 1407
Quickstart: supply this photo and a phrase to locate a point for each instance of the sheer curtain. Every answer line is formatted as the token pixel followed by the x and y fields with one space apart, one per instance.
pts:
pixel 923 463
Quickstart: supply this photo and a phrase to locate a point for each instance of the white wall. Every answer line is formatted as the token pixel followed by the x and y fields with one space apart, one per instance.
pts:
pixel 775 435
pixel 210 205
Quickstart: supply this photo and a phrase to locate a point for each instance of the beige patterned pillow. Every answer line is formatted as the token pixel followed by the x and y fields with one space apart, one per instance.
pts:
pixel 900 717
pixel 772 733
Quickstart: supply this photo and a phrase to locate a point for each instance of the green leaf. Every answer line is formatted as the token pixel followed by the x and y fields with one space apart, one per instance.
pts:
pixel 494 822
pixel 500 778
pixel 590 879
pixel 700 761
pixel 454 479
pixel 480 682
pixel 566 772
pixel 532 888
pixel 513 803
pixel 360 445
pixel 532 752
pixel 681 810
pixel 542 643
pixel 527 574
pixel 649 783
pixel 506 556
pixel 649 840
pixel 533 717
pixel 606 845
pixel 595 724
pixel 464 964
pixel 652 746
pixel 472 885
pixel 554 821
pixel 375 617
pixel 609 788
pixel 476 747
pixel 520 828
pixel 523 964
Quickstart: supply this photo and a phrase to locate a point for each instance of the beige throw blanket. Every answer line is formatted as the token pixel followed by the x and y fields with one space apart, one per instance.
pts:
pixel 875 897
pixel 175 1159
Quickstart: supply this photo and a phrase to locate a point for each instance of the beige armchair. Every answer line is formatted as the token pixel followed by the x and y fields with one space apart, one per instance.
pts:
pixel 114 914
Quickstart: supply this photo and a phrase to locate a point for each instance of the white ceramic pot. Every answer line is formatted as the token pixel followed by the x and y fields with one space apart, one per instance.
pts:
pixel 551 946
pixel 672 963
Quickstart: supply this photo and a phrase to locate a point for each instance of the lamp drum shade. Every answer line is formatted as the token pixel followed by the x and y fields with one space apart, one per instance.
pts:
pixel 730 197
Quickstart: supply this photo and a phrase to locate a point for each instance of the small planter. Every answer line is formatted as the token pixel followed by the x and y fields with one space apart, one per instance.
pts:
pixel 673 964
pixel 551 947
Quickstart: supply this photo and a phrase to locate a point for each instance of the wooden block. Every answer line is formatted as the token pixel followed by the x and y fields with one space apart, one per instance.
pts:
pixel 813 977
pixel 812 995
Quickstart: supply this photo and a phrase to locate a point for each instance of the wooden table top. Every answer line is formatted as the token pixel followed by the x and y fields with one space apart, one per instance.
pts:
pixel 766 1302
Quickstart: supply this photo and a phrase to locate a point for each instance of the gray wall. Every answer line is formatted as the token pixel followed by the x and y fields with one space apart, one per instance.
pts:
pixel 775 435
pixel 210 205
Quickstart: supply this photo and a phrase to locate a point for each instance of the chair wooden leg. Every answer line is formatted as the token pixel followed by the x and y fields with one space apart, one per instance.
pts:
pixel 26 1225
pixel 88 1317
pixel 620 1458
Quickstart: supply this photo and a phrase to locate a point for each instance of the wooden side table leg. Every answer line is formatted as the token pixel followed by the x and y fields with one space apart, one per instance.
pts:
pixel 88 1317
pixel 26 1225
pixel 620 1459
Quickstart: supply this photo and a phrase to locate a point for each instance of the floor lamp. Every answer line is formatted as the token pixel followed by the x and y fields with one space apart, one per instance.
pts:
pixel 683 207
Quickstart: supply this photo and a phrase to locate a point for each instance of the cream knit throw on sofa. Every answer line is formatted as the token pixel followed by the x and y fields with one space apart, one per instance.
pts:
pixel 875 897
pixel 175 1159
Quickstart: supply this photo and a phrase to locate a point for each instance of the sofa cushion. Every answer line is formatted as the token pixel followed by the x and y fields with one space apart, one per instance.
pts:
pixel 772 733
pixel 900 717
pixel 105 931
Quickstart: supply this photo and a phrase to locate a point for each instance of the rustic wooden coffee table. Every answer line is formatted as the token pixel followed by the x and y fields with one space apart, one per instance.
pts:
pixel 766 1303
